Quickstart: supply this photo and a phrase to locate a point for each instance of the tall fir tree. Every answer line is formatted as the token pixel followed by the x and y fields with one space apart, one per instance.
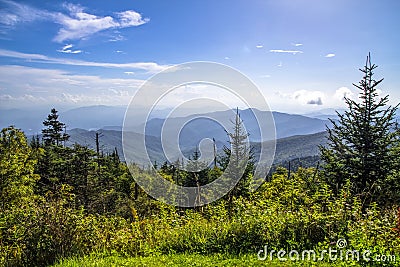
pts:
pixel 55 133
pixel 237 160
pixel 360 145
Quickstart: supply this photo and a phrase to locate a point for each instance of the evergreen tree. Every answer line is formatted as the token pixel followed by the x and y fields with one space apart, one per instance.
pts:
pixel 55 133
pixel 57 165
pixel 178 174
pixel 35 142
pixel 238 160
pixel 55 169
pixel 82 173
pixel 197 171
pixel 360 145
pixel 166 168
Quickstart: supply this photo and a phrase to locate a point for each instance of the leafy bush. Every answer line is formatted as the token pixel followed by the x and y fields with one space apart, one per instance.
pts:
pixel 283 214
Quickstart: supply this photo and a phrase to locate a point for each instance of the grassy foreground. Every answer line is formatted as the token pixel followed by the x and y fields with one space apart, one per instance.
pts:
pixel 184 260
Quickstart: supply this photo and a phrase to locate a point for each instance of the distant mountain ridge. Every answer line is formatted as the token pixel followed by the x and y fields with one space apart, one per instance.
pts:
pixel 111 118
pixel 286 125
pixel 90 117
pixel 288 148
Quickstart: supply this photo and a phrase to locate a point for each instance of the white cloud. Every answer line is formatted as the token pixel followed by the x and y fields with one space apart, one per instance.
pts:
pixel 294 52
pixel 129 72
pixel 148 66
pixel 80 24
pixel 198 96
pixel 330 55
pixel 131 18
pixel 67 49
pixel 10 53
pixel 24 85
pixel 117 38
pixel 72 8
pixel 76 25
pixel 61 88
pixel 314 98
pixel 304 97
pixel 13 13
pixel 8 19
pixel 259 46
pixel 27 98
pixel 343 92
pixel 307 97
pixel 297 44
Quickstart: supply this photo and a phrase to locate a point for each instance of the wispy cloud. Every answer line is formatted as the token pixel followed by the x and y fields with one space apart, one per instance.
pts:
pixel 297 44
pixel 330 55
pixel 259 46
pixel 80 24
pixel 13 13
pixel 26 85
pixel 294 52
pixel 147 66
pixel 75 24
pixel 117 38
pixel 305 97
pixel 67 49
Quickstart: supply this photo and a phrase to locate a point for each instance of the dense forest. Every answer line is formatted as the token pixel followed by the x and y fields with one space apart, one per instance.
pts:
pixel 59 202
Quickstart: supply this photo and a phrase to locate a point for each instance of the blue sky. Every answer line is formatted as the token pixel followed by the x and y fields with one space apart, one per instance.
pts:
pixel 303 55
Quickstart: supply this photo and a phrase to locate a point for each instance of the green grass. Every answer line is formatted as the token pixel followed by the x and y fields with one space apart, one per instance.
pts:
pixel 182 260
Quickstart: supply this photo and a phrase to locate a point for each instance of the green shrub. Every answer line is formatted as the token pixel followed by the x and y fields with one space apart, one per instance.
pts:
pixel 296 213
